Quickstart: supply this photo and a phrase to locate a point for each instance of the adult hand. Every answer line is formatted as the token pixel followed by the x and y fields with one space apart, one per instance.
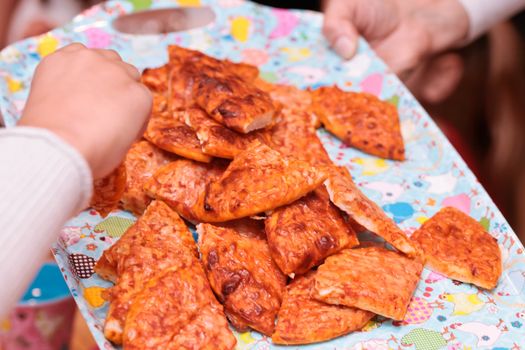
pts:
pixel 92 100
pixel 402 32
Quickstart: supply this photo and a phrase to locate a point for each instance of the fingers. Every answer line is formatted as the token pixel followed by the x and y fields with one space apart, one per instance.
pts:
pixel 72 47
pixel 338 28
pixel 109 54
pixel 404 49
pixel 130 70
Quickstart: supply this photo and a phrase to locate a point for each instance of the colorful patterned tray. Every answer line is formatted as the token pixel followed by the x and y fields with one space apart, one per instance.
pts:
pixel 288 48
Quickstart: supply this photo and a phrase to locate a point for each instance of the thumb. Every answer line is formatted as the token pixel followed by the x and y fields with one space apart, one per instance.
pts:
pixel 338 28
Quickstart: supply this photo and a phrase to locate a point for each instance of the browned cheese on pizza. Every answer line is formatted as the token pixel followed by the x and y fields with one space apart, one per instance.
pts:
pixel 216 139
pixel 157 241
pixel 242 273
pixel 156 79
pixel 108 190
pixel 294 136
pixel 257 180
pixel 458 246
pixel 291 99
pixel 177 310
pixel 168 131
pixel 225 90
pixel 141 161
pixel 302 234
pixel 372 278
pixel 304 320
pixel 232 101
pixel 360 120
pixel 364 212
pixel 180 56
pixel 181 182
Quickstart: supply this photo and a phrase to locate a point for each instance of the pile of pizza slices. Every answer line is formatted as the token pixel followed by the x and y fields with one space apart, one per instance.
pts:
pixel 277 249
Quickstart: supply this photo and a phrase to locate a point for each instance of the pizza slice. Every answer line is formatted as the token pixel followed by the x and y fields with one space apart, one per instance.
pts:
pixel 181 182
pixel 257 180
pixel 291 99
pixel 302 234
pixel 304 320
pixel 360 120
pixel 458 246
pixel 157 241
pixel 168 131
pixel 156 79
pixel 180 56
pixel 215 139
pixel 231 100
pixel 177 310
pixel 294 136
pixel 242 273
pixel 372 278
pixel 187 67
pixel 141 161
pixel 108 190
pixel 364 212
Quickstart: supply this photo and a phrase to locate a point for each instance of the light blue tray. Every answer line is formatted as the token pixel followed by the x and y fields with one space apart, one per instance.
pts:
pixel 288 48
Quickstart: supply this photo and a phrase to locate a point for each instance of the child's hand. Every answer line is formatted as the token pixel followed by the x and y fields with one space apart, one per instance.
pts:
pixel 91 99
pixel 403 32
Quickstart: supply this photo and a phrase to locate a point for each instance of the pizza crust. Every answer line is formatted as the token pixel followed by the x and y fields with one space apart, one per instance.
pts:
pixel 257 180
pixel 302 234
pixel 304 320
pixel 181 182
pixel 372 278
pixel 141 161
pixel 458 247
pixel 157 241
pixel 364 212
pixel 360 120
pixel 242 273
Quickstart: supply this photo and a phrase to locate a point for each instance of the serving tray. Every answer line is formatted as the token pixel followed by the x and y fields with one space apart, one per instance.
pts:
pixel 288 47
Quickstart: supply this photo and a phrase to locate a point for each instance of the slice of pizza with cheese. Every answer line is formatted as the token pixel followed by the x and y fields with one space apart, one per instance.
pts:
pixel 216 139
pixel 157 241
pixel 231 100
pixel 177 310
pixel 108 191
pixel 458 247
pixel 141 161
pixel 360 120
pixel 181 183
pixel 364 212
pixel 302 234
pixel 291 99
pixel 168 131
pixel 242 273
pixel 294 136
pixel 180 56
pixel 156 79
pixel 373 278
pixel 304 320
pixel 257 180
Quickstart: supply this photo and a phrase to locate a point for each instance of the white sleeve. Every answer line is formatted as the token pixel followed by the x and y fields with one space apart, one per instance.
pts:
pixel 43 182
pixel 483 14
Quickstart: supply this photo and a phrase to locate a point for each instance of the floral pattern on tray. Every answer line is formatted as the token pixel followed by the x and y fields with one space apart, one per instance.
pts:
pixel 288 47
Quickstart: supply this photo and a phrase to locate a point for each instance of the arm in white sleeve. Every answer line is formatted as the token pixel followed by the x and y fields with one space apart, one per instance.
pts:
pixel 483 14
pixel 43 182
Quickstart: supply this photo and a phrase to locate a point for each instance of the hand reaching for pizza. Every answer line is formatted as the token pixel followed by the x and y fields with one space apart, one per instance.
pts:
pixel 91 99
pixel 403 32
